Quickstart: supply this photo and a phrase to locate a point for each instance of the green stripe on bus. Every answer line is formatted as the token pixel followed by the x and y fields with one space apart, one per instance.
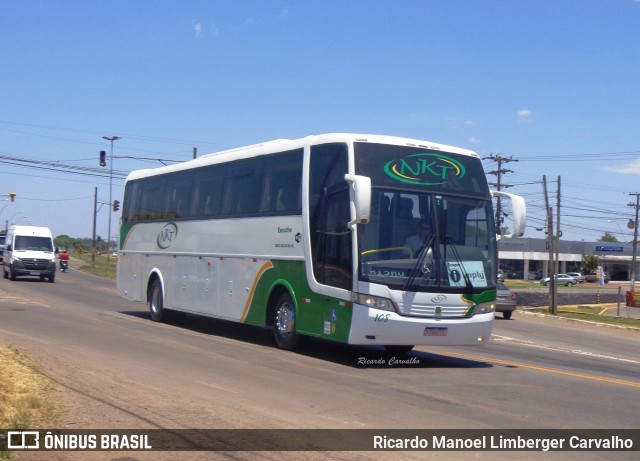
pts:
pixel 316 315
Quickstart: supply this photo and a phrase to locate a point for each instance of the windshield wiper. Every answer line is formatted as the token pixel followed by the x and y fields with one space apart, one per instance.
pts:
pixel 416 270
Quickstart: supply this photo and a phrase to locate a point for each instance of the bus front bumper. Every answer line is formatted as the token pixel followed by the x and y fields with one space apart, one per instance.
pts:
pixel 378 327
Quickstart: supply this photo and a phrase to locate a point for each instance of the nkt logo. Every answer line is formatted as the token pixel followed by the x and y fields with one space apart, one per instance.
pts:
pixel 166 235
pixel 426 169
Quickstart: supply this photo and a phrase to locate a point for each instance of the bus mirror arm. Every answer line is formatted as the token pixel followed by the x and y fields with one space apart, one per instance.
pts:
pixel 360 196
pixel 519 213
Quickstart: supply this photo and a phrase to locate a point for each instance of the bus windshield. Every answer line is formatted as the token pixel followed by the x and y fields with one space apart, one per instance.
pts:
pixel 431 226
pixel 418 242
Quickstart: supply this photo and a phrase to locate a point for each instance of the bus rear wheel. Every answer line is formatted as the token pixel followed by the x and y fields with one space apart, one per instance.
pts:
pixel 156 307
pixel 284 323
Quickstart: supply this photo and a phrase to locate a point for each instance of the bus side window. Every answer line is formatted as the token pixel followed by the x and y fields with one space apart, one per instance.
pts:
pixel 282 188
pixel 151 200
pixel 242 187
pixel 131 202
pixel 329 215
pixel 208 193
pixel 178 193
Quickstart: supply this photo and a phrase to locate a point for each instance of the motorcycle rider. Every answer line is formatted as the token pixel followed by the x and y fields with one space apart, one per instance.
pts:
pixel 64 260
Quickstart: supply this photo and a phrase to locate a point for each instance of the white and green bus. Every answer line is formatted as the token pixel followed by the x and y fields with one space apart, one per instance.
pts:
pixel 360 239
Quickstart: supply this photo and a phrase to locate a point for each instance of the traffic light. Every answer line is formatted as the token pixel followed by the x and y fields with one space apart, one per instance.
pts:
pixel 116 205
pixel 103 158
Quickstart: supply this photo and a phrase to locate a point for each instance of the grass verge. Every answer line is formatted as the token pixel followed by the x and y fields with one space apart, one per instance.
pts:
pixel 27 398
pixel 103 267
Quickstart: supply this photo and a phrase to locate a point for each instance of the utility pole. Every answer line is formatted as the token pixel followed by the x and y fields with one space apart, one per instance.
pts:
pixel 499 159
pixel 110 138
pixel 93 240
pixel 635 242
pixel 551 270
pixel 556 240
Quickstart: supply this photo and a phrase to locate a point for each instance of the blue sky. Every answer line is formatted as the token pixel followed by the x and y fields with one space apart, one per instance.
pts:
pixel 551 83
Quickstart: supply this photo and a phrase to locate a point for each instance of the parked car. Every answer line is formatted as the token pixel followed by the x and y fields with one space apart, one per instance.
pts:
pixel 561 279
pixel 506 300
pixel 500 275
pixel 593 277
pixel 578 276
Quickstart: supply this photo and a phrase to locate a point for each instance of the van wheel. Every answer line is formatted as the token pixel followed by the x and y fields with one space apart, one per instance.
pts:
pixel 284 323
pixel 156 306
pixel 52 278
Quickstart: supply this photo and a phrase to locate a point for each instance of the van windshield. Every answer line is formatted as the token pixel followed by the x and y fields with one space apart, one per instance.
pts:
pixel 27 242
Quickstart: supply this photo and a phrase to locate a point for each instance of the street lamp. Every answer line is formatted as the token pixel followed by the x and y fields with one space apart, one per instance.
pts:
pixel 618 224
pixel 24 216
pixel 110 138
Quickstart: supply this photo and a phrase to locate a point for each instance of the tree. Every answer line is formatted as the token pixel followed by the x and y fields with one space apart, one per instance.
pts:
pixel 589 264
pixel 607 237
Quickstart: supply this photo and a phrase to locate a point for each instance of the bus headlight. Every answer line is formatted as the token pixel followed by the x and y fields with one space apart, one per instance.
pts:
pixel 484 308
pixel 375 302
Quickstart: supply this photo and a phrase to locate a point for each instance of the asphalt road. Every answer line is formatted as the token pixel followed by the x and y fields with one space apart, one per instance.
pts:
pixel 117 369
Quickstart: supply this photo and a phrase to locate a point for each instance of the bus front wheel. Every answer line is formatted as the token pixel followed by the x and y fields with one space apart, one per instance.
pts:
pixel 284 325
pixel 156 309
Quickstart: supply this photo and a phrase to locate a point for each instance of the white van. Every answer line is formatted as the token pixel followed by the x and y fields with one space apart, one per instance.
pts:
pixel 28 250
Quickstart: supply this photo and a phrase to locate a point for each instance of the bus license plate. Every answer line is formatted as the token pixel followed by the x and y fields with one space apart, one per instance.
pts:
pixel 435 331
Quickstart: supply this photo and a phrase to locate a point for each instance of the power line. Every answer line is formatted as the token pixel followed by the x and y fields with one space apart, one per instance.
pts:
pixel 57 167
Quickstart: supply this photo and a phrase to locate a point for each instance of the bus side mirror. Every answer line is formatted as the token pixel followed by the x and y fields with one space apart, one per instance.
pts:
pixel 360 196
pixel 519 210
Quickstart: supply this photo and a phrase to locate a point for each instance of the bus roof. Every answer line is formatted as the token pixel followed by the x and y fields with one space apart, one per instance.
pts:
pixel 281 145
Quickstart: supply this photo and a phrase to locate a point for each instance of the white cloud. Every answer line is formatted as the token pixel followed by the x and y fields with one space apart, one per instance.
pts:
pixel 524 116
pixel 474 140
pixel 197 29
pixel 632 167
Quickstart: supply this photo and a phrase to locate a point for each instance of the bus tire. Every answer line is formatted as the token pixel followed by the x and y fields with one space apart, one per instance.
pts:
pixel 284 323
pixel 398 349
pixel 156 307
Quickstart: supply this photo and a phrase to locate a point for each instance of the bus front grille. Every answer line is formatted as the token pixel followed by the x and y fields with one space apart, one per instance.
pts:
pixel 433 311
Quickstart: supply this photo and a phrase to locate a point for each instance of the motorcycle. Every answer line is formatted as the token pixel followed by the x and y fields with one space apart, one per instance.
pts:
pixel 64 265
